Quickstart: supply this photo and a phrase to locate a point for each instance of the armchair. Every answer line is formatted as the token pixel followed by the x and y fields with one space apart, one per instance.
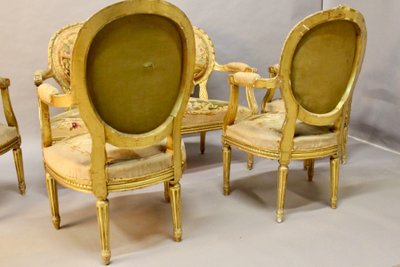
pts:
pixel 133 137
pixel 319 66
pixel 9 134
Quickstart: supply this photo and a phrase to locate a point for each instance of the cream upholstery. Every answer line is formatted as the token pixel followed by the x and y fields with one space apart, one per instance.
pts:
pixel 265 132
pixel 71 158
pixel 276 105
pixel 67 124
pixel 204 112
pixel 7 134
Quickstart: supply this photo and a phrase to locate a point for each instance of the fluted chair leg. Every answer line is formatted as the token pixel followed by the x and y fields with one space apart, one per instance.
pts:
pixel 281 192
pixel 202 142
pixel 334 171
pixel 226 158
pixel 250 161
pixel 103 220
pixel 53 199
pixel 166 191
pixel 17 153
pixel 175 194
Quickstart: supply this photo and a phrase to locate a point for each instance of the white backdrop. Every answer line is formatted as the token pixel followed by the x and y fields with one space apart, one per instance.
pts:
pixel 251 31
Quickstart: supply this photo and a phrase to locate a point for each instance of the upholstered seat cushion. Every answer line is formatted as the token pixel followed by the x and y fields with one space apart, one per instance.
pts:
pixel 67 124
pixel 70 158
pixel 7 134
pixel 276 105
pixel 210 111
pixel 264 131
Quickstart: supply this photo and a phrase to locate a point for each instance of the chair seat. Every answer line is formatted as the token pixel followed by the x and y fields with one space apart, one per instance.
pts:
pixel 276 105
pixel 264 131
pixel 210 111
pixel 67 124
pixel 7 134
pixel 70 158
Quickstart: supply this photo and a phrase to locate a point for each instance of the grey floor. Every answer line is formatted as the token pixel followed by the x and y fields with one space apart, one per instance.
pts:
pixel 238 230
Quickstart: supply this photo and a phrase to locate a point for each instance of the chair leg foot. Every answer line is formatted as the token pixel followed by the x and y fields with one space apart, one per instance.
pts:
pixel 17 153
pixel 281 191
pixel 53 199
pixel 279 216
pixel 175 193
pixel 103 221
pixel 202 142
pixel 226 158
pixel 334 173
pixel 250 161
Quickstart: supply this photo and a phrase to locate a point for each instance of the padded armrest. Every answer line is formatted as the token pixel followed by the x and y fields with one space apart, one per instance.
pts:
pixel 41 75
pixel 50 95
pixel 245 78
pixel 234 67
pixel 253 80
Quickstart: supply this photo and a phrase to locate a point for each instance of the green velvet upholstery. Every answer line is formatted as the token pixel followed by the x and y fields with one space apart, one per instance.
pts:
pixel 154 44
pixel 322 65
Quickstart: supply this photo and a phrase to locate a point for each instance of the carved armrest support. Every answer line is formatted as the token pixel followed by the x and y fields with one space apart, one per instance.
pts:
pixel 234 67
pixel 41 75
pixel 50 95
pixel 4 83
pixel 7 107
pixel 273 70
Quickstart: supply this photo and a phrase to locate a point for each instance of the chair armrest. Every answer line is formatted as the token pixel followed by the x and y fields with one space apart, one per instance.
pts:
pixel 7 107
pixel 41 75
pixel 50 95
pixel 254 80
pixel 249 81
pixel 234 67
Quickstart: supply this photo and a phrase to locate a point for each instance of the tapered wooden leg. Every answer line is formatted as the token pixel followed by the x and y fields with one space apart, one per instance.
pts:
pixel 226 158
pixel 202 142
pixel 53 198
pixel 281 191
pixel 20 170
pixel 175 194
pixel 166 191
pixel 103 220
pixel 250 161
pixel 310 169
pixel 334 166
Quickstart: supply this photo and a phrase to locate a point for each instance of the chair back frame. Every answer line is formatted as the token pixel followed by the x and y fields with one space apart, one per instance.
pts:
pixel 294 110
pixel 103 133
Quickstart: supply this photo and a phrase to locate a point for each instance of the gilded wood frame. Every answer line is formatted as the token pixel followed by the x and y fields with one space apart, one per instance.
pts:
pixel 294 111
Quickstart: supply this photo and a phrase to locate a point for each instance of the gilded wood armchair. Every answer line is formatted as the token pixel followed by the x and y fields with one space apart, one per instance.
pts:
pixel 133 111
pixel 202 114
pixel 9 134
pixel 319 66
